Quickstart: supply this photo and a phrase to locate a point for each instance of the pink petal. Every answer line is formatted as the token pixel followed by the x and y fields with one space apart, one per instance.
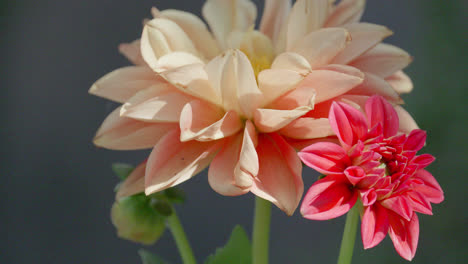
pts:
pixel 306 16
pixel 156 104
pixel 399 205
pixel 308 128
pixel 279 178
pixel 328 198
pixel 423 160
pixel 346 12
pixel 195 29
pixel 383 60
pixel 378 110
pixel 325 157
pixel 348 123
pixel 419 203
pixel 431 188
pixel 374 85
pixel 321 46
pixel 132 52
pixel 221 171
pixel 162 36
pixel 364 36
pixel 276 82
pixel 275 14
pixel 407 123
pixel 172 162
pixel 123 83
pixel 270 120
pixel 374 225
pixel 203 121
pixel 225 16
pixel 416 140
pixel 122 133
pixel 134 183
pixel 354 174
pixel 404 235
pixel 400 82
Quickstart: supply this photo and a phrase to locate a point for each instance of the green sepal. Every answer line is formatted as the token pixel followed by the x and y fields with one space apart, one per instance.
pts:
pixel 236 251
pixel 161 206
pixel 150 258
pixel 321 176
pixel 122 170
pixel 175 195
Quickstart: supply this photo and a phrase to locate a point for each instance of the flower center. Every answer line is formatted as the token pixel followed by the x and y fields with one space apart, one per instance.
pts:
pixel 258 49
pixel 383 165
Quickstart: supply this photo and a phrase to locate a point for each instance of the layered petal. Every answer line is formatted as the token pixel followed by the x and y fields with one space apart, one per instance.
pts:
pixel 279 178
pixel 275 82
pixel 172 162
pixel 431 188
pixel 270 120
pixel 134 183
pixel 308 128
pixel 346 12
pixel 122 133
pixel 379 111
pixel 404 235
pixel 328 198
pixel 132 52
pixel 248 166
pixel 407 123
pixel 325 157
pixel 372 85
pixel 400 82
pixel 123 83
pixel 275 14
pixel 374 225
pixel 348 123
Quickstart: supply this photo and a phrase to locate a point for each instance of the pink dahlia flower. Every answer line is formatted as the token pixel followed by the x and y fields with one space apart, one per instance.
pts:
pixel 238 100
pixel 377 166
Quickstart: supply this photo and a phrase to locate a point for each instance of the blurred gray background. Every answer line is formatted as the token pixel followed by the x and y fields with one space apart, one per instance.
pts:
pixel 57 188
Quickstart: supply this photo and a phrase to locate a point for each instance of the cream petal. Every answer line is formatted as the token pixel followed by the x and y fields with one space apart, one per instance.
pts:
pixel 175 60
pixel 275 82
pixel 346 12
pixel 134 183
pixel 364 36
pixel 306 16
pixel 372 85
pixel 308 128
pixel 122 133
pixel 156 104
pixel 225 16
pixel 383 60
pixel 247 168
pixel 291 61
pixel 221 171
pixel 123 83
pixel 279 178
pixel 270 120
pixel 407 123
pixel 232 77
pixel 321 46
pixel 275 13
pixel 162 36
pixel 400 82
pixel 203 121
pixel 132 52
pixel 195 29
pixel 321 85
pixel 172 162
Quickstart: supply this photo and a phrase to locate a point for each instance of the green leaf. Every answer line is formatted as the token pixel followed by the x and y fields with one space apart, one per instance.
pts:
pixel 122 170
pixel 236 251
pixel 150 258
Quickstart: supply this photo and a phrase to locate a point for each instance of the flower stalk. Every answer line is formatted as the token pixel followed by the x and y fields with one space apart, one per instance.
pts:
pixel 183 245
pixel 261 231
pixel 349 236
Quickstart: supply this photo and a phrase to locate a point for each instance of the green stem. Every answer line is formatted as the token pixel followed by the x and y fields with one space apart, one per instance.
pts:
pixel 261 231
pixel 180 238
pixel 349 236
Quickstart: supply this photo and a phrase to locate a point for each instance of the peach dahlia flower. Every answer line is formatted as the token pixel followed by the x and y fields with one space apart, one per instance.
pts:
pixel 238 99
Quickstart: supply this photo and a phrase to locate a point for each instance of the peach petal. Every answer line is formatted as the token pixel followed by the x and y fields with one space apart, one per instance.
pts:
pixel 175 60
pixel 364 36
pixel 400 82
pixel 195 29
pixel 291 61
pixel 247 168
pixel 383 60
pixel 121 84
pixel 279 178
pixel 132 52
pixel 306 16
pixel 275 13
pixel 134 183
pixel 225 16
pixel 156 105
pixel 307 128
pixel 372 85
pixel 407 123
pixel 122 133
pixel 172 162
pixel 346 12
pixel 162 36
pixel 321 46
pixel 270 120
pixel 275 82
pixel 201 121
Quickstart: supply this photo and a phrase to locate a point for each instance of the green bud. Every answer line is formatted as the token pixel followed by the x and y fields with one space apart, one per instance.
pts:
pixel 136 220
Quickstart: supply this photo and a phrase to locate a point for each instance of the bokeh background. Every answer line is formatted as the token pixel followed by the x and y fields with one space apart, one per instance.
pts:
pixel 57 188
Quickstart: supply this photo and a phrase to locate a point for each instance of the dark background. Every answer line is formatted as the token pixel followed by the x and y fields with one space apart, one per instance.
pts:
pixel 57 188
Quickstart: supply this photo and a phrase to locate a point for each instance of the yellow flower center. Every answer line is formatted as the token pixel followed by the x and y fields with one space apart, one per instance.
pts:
pixel 258 49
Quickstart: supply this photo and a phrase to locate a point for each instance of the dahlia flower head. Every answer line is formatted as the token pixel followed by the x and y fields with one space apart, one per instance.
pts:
pixel 240 100
pixel 377 166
